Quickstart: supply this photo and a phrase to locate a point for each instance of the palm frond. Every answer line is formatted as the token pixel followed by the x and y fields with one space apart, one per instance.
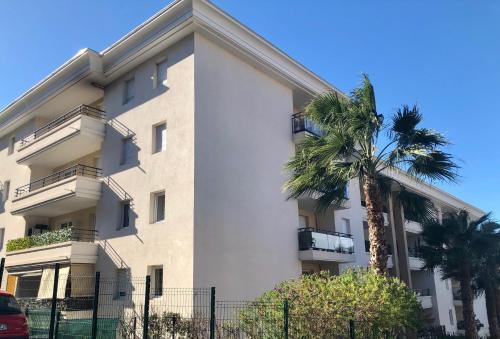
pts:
pixel 416 207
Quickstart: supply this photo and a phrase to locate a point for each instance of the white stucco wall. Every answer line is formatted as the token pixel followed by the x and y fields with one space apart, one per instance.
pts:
pixel 168 243
pixel 245 229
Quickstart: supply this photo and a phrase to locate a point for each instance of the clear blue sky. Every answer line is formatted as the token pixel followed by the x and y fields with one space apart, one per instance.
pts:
pixel 443 55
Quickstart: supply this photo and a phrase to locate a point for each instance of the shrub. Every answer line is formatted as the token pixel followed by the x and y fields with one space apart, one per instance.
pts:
pixel 321 306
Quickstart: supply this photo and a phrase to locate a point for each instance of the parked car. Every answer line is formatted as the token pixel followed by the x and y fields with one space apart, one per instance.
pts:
pixel 13 322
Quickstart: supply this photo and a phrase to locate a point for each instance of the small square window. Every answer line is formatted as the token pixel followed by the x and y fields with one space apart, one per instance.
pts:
pixel 160 140
pixel 156 273
pixel 5 190
pixel 161 74
pixel 129 90
pixel 12 144
pixel 125 214
pixel 127 150
pixel 159 206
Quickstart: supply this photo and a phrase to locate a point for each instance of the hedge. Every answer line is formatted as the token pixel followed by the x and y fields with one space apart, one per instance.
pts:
pixel 43 239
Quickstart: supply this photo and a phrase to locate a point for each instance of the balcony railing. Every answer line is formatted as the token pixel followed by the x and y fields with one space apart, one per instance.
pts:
pixel 80 110
pixel 314 239
pixel 424 292
pixel 52 237
pixel 301 123
pixel 76 170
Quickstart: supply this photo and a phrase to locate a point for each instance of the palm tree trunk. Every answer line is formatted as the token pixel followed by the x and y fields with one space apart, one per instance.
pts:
pixel 376 231
pixel 467 304
pixel 491 310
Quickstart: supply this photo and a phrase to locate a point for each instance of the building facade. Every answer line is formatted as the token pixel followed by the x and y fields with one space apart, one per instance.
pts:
pixel 163 155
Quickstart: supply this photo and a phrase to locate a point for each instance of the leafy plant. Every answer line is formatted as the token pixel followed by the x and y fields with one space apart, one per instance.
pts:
pixel 43 239
pixel 321 306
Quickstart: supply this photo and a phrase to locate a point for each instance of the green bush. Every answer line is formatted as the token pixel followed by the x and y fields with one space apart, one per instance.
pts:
pixel 321 306
pixel 43 239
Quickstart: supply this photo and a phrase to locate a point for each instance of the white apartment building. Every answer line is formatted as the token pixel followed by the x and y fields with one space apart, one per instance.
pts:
pixel 164 154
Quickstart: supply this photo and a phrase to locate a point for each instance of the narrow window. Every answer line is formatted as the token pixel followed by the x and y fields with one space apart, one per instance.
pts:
pixel 125 214
pixel 2 236
pixel 159 207
pixel 12 143
pixel 161 74
pixel 158 281
pixel 160 141
pixel 447 284
pixel 452 321
pixel 127 151
pixel 5 190
pixel 129 90
pixel 122 275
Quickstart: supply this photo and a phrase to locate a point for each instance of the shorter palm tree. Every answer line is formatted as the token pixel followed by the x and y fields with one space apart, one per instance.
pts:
pixel 452 245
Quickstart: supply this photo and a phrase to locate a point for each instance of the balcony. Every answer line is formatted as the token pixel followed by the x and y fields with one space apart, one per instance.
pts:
pixel 303 126
pixel 69 137
pixel 414 261
pixel 413 226
pixel 75 188
pixel 424 297
pixel 65 246
pixel 320 245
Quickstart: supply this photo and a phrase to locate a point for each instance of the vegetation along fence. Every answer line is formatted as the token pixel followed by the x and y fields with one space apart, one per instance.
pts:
pixel 61 305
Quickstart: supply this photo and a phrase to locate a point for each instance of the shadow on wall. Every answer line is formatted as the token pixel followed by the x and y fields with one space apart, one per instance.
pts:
pixel 126 154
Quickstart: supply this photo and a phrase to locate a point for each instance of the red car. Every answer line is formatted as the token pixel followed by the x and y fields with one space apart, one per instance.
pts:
pixel 13 322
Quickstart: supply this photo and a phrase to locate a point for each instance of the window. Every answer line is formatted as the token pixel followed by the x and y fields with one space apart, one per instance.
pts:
pixel 452 321
pixel 127 150
pixel 125 214
pixel 5 190
pixel 12 143
pixel 2 236
pixel 159 207
pixel 161 74
pixel 303 221
pixel 160 138
pixel 129 90
pixel 122 275
pixel 447 284
pixel 66 224
pixel 157 280
pixel 346 226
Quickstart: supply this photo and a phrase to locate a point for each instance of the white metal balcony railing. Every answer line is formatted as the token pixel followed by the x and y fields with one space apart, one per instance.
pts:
pixel 80 110
pixel 76 170
pixel 320 240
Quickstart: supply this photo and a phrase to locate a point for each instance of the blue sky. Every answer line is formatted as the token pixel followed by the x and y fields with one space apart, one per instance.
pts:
pixel 442 55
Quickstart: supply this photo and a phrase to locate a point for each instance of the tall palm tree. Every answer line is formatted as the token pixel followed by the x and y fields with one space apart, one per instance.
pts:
pixel 347 149
pixel 487 278
pixel 452 245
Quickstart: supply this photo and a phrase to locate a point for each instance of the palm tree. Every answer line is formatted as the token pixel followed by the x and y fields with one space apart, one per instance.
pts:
pixel 452 245
pixel 347 148
pixel 487 279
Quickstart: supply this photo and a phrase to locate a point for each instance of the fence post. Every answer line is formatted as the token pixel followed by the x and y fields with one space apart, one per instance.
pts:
pixel 54 302
pixel 145 326
pixel 212 313
pixel 285 318
pixel 2 267
pixel 95 304
pixel 58 318
pixel 352 330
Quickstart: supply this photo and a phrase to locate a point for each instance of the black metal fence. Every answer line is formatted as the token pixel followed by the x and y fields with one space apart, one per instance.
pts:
pixel 63 305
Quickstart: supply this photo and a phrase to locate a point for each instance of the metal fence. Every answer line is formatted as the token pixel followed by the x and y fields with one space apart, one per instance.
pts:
pixel 63 305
